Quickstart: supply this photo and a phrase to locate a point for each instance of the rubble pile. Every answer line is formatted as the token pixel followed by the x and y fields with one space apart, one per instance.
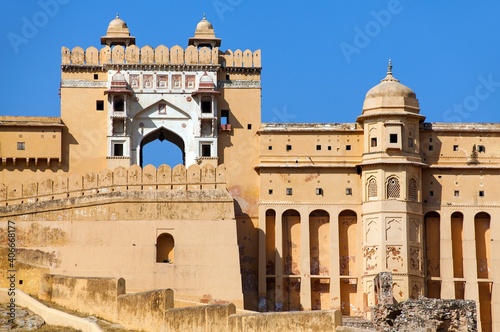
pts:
pixel 429 315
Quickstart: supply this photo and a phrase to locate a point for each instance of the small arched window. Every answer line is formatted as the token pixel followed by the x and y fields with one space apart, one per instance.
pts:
pixel 165 248
pixel 412 190
pixel 372 189
pixel 393 187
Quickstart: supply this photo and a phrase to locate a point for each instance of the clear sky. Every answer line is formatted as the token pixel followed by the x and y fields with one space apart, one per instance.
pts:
pixel 319 58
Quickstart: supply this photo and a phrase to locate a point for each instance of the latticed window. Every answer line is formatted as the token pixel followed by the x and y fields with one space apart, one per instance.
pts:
pixel 393 188
pixel 372 189
pixel 412 190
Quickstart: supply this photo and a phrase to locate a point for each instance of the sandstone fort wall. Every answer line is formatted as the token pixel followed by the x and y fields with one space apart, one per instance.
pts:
pixel 121 179
pixel 161 55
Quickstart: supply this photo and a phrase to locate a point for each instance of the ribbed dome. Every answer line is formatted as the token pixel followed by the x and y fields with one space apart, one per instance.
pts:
pixel 390 87
pixel 390 95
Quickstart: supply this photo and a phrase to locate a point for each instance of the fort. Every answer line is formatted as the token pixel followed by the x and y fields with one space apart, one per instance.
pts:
pixel 267 217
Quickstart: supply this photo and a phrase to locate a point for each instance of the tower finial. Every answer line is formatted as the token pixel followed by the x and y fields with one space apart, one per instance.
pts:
pixel 388 76
pixel 204 16
pixel 117 16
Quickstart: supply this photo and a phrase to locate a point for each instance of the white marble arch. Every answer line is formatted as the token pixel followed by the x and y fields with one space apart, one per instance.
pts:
pixel 177 114
pixel 176 124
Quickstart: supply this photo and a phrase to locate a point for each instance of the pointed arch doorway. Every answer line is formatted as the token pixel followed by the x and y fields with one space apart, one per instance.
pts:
pixel 162 146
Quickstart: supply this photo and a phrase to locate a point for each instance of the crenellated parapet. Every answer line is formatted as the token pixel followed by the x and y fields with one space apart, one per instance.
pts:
pixel 161 55
pixel 134 178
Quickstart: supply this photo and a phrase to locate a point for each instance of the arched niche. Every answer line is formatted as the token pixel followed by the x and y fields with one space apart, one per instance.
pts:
pixel 165 248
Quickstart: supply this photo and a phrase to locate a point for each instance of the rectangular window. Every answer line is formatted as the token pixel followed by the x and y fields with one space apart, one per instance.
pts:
pixel 270 147
pixel 455 147
pixel 288 147
pixel 249 126
pixel 224 116
pixel 456 193
pixel 228 78
pixel 431 148
pixel 118 149
pixel 373 142
pixel 348 191
pixel 348 147
pixel 431 193
pixel 99 105
pixel 289 191
pixel 21 145
pixel 481 148
pixel 410 142
pixel 319 191
pixel 393 138
pixel 96 76
pixel 318 147
pixel 270 191
pixel 329 148
pixel 206 150
pixel 206 105
pixel 118 126
pixel 118 104
pixel 481 193
pixel 430 139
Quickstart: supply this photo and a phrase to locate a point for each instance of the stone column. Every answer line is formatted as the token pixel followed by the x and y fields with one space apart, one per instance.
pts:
pixel 334 259
pixel 470 262
pixel 262 289
pixel 279 261
pixel 305 260
pixel 446 259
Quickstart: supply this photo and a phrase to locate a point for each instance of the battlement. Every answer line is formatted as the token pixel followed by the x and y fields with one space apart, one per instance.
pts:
pixel 161 55
pixel 134 178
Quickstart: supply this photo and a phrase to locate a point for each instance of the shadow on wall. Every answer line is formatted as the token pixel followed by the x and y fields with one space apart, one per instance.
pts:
pixel 249 257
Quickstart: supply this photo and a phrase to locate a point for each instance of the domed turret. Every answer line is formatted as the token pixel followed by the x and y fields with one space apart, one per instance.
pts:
pixel 204 35
pixel 117 33
pixel 389 93
pixel 118 84
pixel 206 86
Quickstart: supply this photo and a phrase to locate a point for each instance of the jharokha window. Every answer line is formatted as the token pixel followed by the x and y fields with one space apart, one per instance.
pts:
pixel 393 188
pixel 412 190
pixel 372 189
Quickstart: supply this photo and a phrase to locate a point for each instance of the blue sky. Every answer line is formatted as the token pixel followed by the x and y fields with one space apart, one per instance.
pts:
pixel 319 58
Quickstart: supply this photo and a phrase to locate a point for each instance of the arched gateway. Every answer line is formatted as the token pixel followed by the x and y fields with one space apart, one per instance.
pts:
pixel 162 104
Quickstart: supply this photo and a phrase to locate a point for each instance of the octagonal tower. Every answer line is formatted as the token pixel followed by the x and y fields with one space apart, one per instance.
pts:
pixel 391 192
